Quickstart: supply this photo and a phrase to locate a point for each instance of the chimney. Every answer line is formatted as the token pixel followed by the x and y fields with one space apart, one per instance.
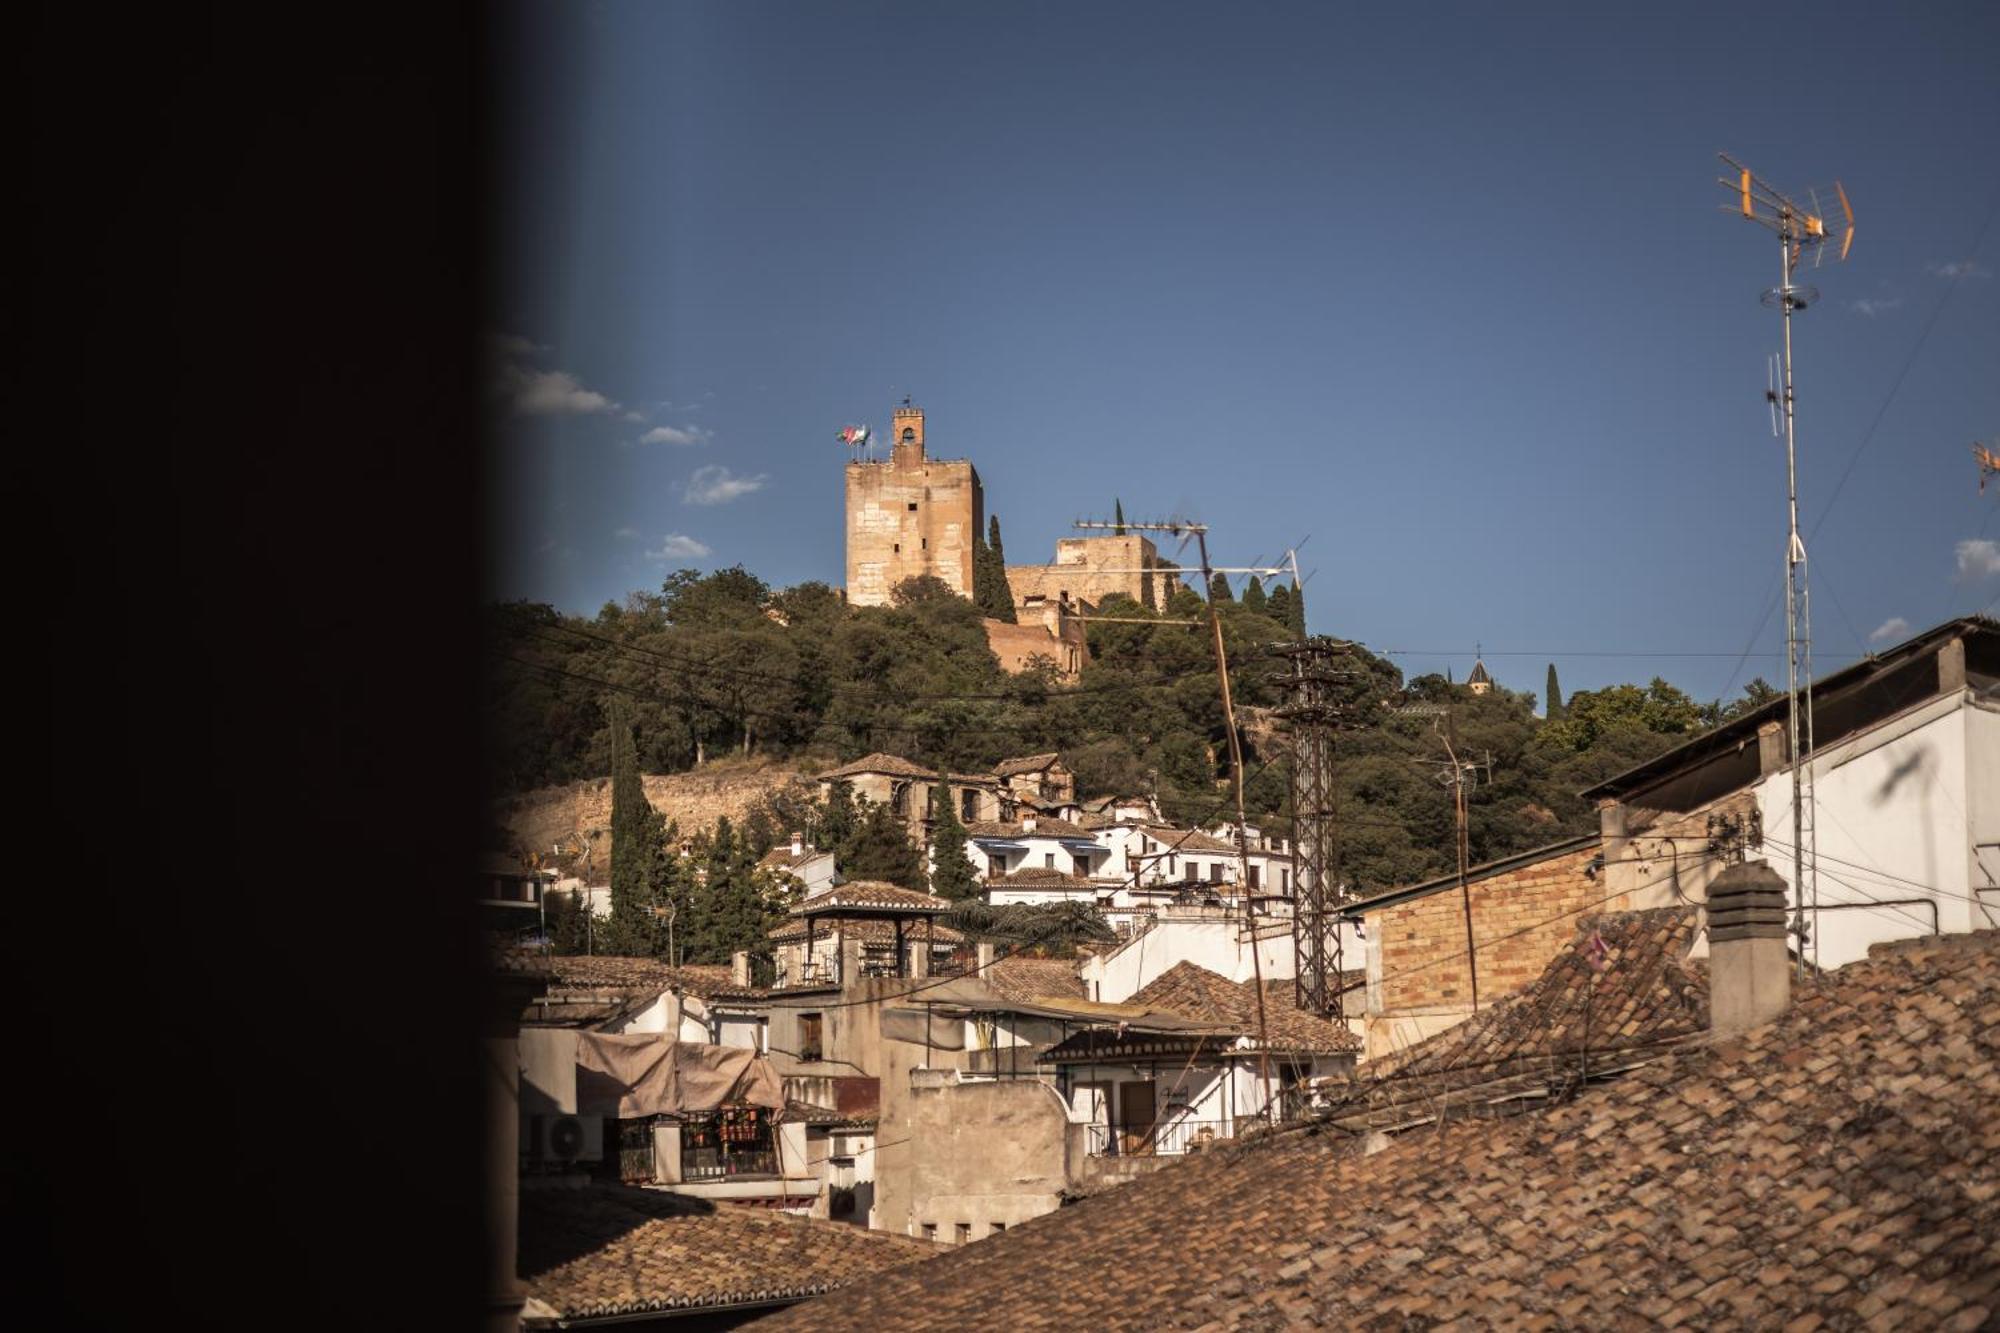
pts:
pixel 739 968
pixel 798 845
pixel 985 956
pixel 1749 973
pixel 1771 748
pixel 1951 667
pixel 1027 823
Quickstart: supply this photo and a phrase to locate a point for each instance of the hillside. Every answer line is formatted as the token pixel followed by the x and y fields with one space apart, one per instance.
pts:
pixel 578 815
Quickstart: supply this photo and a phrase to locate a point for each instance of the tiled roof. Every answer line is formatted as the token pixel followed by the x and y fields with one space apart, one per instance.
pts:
pixel 781 858
pixel 870 930
pixel 1837 1168
pixel 871 895
pixel 585 989
pixel 1025 979
pixel 1622 990
pixel 1046 826
pixel 606 1250
pixel 879 762
pixel 1188 840
pixel 825 1117
pixel 1193 991
pixel 1033 763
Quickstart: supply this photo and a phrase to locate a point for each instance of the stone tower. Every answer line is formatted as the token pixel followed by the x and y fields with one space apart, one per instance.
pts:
pixel 911 515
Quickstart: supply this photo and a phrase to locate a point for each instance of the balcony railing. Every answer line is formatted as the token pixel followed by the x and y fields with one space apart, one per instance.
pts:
pixel 1173 1139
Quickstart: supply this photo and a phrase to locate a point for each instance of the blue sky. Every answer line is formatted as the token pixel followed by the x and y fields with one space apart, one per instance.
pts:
pixel 1444 287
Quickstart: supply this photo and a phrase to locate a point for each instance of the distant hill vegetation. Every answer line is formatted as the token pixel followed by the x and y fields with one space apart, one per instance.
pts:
pixel 723 665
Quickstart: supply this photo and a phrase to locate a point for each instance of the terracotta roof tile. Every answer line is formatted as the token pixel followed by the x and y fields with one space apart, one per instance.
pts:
pixel 606 1250
pixel 1193 991
pixel 1026 979
pixel 1032 763
pixel 879 762
pixel 1838 1167
pixel 871 894
pixel 1048 877
pixel 873 931
pixel 1184 841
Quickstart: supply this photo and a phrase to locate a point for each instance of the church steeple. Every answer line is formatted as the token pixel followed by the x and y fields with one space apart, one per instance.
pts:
pixel 1480 681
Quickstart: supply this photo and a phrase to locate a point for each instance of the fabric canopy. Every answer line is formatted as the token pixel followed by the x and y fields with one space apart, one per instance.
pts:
pixel 642 1074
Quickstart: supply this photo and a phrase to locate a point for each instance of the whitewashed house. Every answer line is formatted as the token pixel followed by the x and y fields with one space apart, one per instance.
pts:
pixel 1905 800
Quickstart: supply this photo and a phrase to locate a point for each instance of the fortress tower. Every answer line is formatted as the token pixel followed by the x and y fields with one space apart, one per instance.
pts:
pixel 911 515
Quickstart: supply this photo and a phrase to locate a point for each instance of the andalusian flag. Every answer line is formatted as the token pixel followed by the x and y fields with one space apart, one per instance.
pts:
pixel 854 436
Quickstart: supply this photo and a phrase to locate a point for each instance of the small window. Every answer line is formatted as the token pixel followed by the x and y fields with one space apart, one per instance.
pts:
pixel 811 1029
pixel 968 804
pixel 909 435
pixel 913 506
pixel 930 1231
pixel 995 1228
pixel 926 543
pixel 1284 880
pixel 964 1232
pixel 1257 872
pixel 1049 860
pixel 897 548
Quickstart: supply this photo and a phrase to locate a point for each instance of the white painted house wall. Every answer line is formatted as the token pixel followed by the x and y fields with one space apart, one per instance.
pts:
pixel 1214 941
pixel 1900 809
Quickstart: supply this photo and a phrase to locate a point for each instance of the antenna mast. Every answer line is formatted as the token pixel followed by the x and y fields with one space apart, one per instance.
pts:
pixel 1799 228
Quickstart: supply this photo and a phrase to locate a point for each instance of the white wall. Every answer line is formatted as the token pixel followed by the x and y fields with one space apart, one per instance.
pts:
pixel 1211 941
pixel 1898 811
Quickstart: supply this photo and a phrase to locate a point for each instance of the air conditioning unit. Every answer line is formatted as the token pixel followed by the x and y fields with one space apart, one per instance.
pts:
pixel 567 1138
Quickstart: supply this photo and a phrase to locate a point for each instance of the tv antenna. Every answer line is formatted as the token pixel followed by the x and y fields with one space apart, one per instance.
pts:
pixel 1989 465
pixel 1801 229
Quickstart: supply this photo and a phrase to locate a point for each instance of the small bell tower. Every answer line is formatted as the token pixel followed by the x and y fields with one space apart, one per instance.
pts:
pixel 907 430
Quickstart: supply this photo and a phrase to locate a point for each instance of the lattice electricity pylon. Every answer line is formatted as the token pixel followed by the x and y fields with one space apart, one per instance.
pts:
pixel 1313 714
pixel 1799 228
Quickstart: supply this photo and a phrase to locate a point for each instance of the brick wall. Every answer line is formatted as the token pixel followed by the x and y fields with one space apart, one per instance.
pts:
pixel 1520 919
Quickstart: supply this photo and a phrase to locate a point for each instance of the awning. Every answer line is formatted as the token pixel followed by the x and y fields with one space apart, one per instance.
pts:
pixel 1003 845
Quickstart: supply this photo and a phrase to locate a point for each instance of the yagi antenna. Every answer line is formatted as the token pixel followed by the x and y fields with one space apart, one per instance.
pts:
pixel 1799 227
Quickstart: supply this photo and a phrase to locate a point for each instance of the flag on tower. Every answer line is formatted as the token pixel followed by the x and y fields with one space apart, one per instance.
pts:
pixel 854 436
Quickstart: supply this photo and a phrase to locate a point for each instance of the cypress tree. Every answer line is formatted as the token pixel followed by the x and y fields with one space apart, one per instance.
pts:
pixel 1278 605
pixel 952 877
pixel 1298 610
pixel 1553 708
pixel 1118 518
pixel 635 839
pixel 989 575
pixel 1218 588
pixel 1253 596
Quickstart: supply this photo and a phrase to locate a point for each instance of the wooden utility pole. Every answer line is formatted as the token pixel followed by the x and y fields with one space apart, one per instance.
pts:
pixel 1199 531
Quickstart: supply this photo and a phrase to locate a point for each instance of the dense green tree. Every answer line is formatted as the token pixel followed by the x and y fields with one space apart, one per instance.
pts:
pixel 1552 702
pixel 1253 596
pixel 1118 518
pixel 952 875
pixel 880 848
pixel 1278 605
pixel 567 921
pixel 1218 588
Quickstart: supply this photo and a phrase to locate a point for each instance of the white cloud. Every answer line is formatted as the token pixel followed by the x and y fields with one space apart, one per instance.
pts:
pixel 1978 559
pixel 677 546
pixel 1895 627
pixel 633 416
pixel 715 485
pixel 1873 306
pixel 550 393
pixel 675 435
pixel 1962 268
pixel 627 534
